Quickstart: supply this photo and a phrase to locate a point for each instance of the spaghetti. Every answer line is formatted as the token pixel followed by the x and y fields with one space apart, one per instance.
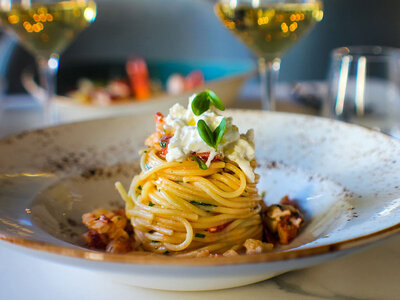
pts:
pixel 178 207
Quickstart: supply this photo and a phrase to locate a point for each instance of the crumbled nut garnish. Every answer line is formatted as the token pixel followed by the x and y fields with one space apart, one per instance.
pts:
pixel 108 230
pixel 256 246
pixel 230 252
pixel 203 253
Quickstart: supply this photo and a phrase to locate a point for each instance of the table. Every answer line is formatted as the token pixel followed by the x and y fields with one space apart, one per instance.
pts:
pixel 371 274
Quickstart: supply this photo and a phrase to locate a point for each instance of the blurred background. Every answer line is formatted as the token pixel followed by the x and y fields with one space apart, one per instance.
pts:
pixel 189 31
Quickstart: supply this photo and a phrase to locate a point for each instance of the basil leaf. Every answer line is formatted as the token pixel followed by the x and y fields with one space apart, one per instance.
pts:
pixel 200 235
pixel 201 163
pixel 205 133
pixel 215 100
pixel 219 132
pixel 200 103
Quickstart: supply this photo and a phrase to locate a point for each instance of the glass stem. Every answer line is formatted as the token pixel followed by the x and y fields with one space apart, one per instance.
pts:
pixel 48 79
pixel 269 72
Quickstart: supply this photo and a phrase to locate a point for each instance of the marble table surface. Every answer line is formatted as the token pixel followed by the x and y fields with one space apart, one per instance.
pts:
pixel 373 273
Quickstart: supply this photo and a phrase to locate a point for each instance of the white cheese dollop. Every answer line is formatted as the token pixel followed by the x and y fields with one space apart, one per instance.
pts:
pixel 186 139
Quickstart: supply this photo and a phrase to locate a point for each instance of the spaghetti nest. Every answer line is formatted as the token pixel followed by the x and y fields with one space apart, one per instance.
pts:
pixel 179 208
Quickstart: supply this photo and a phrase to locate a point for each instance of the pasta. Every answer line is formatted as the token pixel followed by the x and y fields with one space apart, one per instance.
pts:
pixel 176 206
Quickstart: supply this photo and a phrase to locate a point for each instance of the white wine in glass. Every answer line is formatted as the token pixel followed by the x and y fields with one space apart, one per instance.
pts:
pixel 269 28
pixel 46 28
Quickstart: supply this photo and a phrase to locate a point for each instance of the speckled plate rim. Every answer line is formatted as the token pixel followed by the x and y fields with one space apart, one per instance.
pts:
pixel 150 259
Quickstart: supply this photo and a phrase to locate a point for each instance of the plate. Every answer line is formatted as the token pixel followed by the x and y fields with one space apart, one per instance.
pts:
pixel 345 177
pixel 224 78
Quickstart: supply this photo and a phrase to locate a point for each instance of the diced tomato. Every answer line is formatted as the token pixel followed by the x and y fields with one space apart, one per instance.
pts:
pixel 159 118
pixel 204 156
pixel 104 219
pixel 218 228
pixel 164 141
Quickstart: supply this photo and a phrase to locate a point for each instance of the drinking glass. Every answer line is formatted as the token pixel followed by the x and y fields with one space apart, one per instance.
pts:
pixel 269 28
pixel 364 87
pixel 45 28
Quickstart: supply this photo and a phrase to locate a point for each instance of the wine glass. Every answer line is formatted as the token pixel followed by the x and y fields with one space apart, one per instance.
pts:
pixel 269 28
pixel 45 28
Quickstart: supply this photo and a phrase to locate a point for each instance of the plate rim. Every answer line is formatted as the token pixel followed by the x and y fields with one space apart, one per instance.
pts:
pixel 142 258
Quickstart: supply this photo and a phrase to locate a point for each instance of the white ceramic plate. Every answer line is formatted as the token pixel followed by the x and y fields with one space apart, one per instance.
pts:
pixel 346 178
